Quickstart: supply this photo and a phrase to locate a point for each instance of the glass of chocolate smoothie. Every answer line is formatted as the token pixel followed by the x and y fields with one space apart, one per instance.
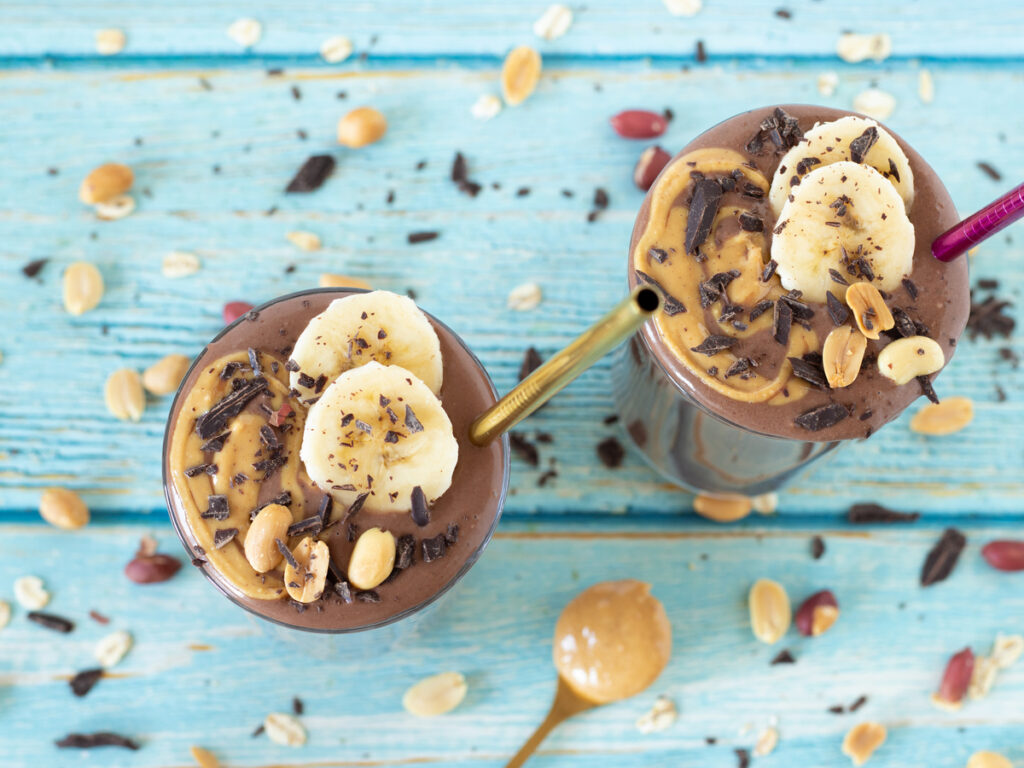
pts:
pixel 317 464
pixel 803 306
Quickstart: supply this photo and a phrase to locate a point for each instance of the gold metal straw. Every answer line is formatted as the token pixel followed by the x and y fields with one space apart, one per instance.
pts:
pixel 541 385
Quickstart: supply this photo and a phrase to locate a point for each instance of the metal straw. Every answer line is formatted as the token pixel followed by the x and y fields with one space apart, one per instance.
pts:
pixel 979 226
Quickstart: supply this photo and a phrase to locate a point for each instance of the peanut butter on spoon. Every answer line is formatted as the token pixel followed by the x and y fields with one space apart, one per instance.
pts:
pixel 611 642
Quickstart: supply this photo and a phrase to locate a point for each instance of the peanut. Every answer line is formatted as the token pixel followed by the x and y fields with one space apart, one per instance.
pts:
pixel 869 309
pixel 361 126
pixel 862 740
pixel 307 584
pixel 986 759
pixel 164 376
pixel 204 758
pixel 328 280
pixel 770 613
pixel 905 359
pixel 304 241
pixel 260 547
pixel 373 558
pixel 284 729
pixel 726 508
pixel 435 695
pixel 30 593
pixel 63 509
pixel 519 74
pixel 112 648
pixel 124 396
pixel 82 287
pixel 115 208
pixel 105 183
pixel 945 418
pixel 179 264
pixel 5 613
pixel 109 42
pixel 336 49
pixel 817 614
pixel 955 681
pixel 842 355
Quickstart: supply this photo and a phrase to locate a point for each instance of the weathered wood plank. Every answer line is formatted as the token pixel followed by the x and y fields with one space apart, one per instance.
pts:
pixel 603 27
pixel 245 126
pixel 202 672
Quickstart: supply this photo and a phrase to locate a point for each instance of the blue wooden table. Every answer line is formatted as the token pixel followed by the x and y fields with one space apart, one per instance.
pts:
pixel 214 131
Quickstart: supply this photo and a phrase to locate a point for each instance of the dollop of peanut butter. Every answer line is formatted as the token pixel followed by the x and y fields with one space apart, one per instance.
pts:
pixel 612 641
pixel 680 274
pixel 235 476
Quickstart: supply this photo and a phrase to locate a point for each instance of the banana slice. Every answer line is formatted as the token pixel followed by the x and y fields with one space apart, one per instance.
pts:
pixel 378 432
pixel 828 143
pixel 844 217
pixel 354 330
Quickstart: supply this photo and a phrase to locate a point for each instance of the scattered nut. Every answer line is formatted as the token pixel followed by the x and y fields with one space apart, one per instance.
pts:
pixel 284 729
pixel 986 759
pixel 342 281
pixel 519 74
pixel 684 7
pixel 336 49
pixel 245 32
pixel 766 742
pixel 770 613
pixel 765 503
pixel 875 103
pixel 639 124
pixel 105 183
pixel 827 83
pixel 373 558
pixel 204 758
pixel 361 126
pixel 179 264
pixel 1007 650
pixel 905 359
pixel 660 717
pixel 435 695
pixel 115 208
pixel 524 297
pixel 164 376
pixel 955 681
pixel 726 508
pixel 111 649
pixel 82 287
pixel 307 584
pixel 862 740
pixel 270 524
pixel 842 355
pixel 944 418
pixel 855 48
pixel 30 593
pixel 124 396
pixel 553 23
pixel 304 241
pixel 869 309
pixel 234 310
pixel 485 107
pixel 652 161
pixel 62 508
pixel 925 87
pixel 151 569
pixel 5 613
pixel 817 614
pixel 109 41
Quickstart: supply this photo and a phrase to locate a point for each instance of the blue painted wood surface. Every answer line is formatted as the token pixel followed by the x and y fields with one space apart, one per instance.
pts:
pixel 212 160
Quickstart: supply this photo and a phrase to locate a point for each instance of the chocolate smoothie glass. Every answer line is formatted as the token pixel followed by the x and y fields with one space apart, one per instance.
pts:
pixel 803 307
pixel 392 519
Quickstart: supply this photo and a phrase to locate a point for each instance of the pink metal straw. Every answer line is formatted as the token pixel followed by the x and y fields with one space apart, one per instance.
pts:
pixel 979 226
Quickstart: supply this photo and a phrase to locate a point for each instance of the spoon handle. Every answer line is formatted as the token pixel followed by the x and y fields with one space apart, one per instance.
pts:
pixel 566 704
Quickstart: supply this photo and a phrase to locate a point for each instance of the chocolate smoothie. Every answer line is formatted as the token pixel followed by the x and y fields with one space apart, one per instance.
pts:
pixel 216 484
pixel 743 333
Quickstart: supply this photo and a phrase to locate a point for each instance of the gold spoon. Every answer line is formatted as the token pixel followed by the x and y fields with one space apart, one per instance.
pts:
pixel 613 638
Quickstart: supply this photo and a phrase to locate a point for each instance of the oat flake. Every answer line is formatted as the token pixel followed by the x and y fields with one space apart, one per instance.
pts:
pixel 304 241
pixel 180 264
pixel 5 613
pixel 109 41
pixel 855 48
pixel 662 715
pixel 875 103
pixel 336 49
pixel 246 32
pixel 684 7
pixel 827 83
pixel 554 22
pixel 524 297
pixel 766 742
pixel 115 208
pixel 112 648
pixel 925 87
pixel 30 593
pixel 486 107
pixel 284 729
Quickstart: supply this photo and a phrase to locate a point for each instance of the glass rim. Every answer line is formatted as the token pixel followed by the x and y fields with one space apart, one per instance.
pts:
pixel 213 575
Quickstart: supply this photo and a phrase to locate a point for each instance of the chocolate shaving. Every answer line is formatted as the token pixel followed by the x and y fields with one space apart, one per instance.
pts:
pixel 254 362
pixel 291 366
pixel 859 702
pixel 312 174
pixel 783 657
pixel 817 547
pixel 860 146
pixel 196 469
pixel 911 288
pixel 989 319
pixel 344 591
pixel 213 445
pixel 34 267
pixel 323 512
pixel 943 557
pixel 99 739
pixel 357 504
pixel 927 389
pixel 809 372
pixel 836 309
pixel 215 420
pixel 524 449
pixel 269 437
pixel 230 369
pixel 751 223
pixel 434 549
pixel 297 706
pixel 822 417
pixel 610 452
pixel 990 170
pixel 287 554
pixel 83 682
pixel 658 254
pixel 714 344
pixel 305 380
pixel 451 535
pixel 782 321
pixel 420 511
pixel 769 270
pixel 806 164
pixel 216 507
pixel 876 513
pixel 531 362
pixel 392 437
pixel 362 426
pixel 707 197
pixel 800 310
pixel 759 309
pixel 742 758
pixel 51 621
pixel 367 596
pixel 223 536
pixel 903 324
pixel 415 238
pixel 405 552
pixel 671 306
pixel 312 524
pixel 837 277
pixel 411 422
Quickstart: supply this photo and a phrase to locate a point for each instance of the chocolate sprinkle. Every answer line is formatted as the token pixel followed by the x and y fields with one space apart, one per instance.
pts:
pixel 781 322
pixel 943 557
pixel 714 344
pixel 860 146
pixel 51 621
pixel 420 510
pixel 415 238
pixel 312 174
pixel 531 362
pixel 836 309
pixel 783 657
pixel 99 739
pixel 434 549
pixel 876 513
pixel 223 536
pixel 215 420
pixel 707 197
pixel 817 547
pixel 610 452
pixel 83 682
pixel 822 417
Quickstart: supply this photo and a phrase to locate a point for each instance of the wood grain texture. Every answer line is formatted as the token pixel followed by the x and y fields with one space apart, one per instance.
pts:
pixel 211 163
pixel 456 27
pixel 203 672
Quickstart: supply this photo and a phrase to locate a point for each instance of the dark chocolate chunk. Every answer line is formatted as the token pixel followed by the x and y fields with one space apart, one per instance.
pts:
pixel 269 437
pixel 714 344
pixel 707 196
pixel 809 372
pixel 98 739
pixel 451 534
pixel 836 309
pixel 860 146
pixel 783 657
pixel 297 706
pixel 367 596
pixel 859 702
pixel 411 422
pixel 405 552
pixel 357 504
pixel 752 190
pixel 658 254
pixel 420 510
pixel 434 549
pixel 700 52
pixel 990 170
pixel 51 621
pixel 769 270
pixel 83 682
pixel 362 426
pixel 759 309
pixel 392 437
pixel 216 507
pixel 943 557
pixel 822 417
pixel 459 169
pixel 312 174
pixel 837 277
pixel 531 362
pixel 781 322
pixel 321 380
pixel 927 389
pixel 989 319
pixel 215 420
pixel 800 310
pixel 344 591
pixel 671 306
pixel 806 164
pixel 223 536
pixel 34 267
pixel 305 380
pixel 876 513
pixel 291 366
pixel 414 238
pixel 254 361
pixel 287 554
pixel 196 469
pixel 312 524
pixel 610 452
pixel 213 445
pixel 741 366
pixel 904 325
pixel 524 449
pixel 817 547
pixel 742 757
pixel 911 288
pixel 750 222
pixel 230 369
